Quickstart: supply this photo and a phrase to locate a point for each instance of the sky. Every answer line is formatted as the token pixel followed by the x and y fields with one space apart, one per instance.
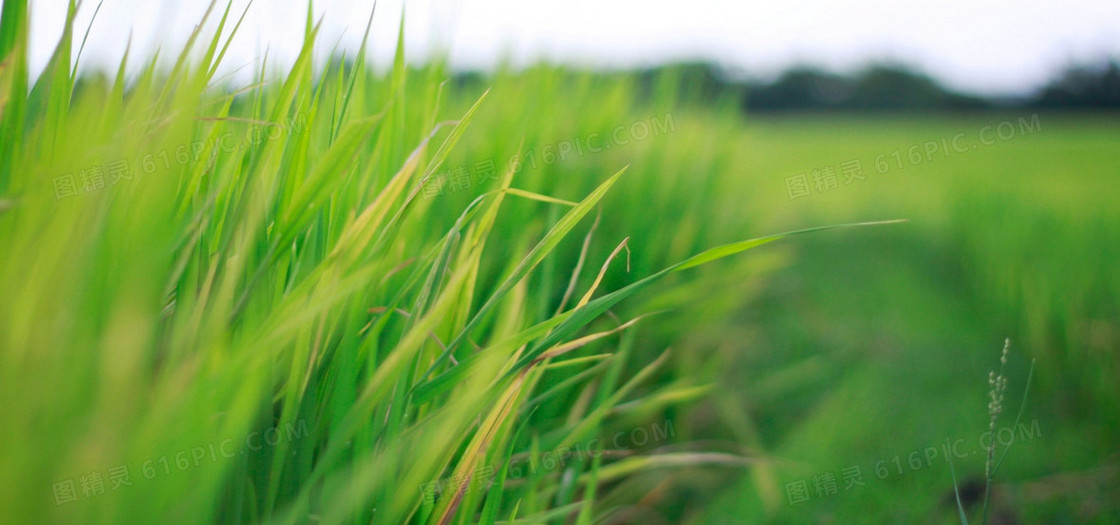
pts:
pixel 991 47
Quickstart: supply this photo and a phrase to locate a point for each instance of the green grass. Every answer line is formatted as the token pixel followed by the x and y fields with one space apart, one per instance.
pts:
pixel 876 347
pixel 275 316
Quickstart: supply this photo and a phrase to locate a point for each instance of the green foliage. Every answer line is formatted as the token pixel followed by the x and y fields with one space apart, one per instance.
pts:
pixel 310 298
pixel 191 270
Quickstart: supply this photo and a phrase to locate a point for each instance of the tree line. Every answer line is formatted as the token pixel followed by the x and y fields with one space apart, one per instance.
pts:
pixel 886 87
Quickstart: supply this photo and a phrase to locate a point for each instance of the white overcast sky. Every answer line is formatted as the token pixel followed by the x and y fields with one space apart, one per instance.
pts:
pixel 987 46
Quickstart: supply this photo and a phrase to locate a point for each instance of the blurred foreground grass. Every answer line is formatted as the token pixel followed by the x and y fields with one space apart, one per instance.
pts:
pixel 342 296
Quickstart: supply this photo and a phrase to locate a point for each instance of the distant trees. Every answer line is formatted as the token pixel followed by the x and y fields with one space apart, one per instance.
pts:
pixel 877 87
pixel 897 87
pixel 1083 87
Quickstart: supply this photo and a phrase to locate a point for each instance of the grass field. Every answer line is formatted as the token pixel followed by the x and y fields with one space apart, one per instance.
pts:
pixel 339 295
pixel 885 339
